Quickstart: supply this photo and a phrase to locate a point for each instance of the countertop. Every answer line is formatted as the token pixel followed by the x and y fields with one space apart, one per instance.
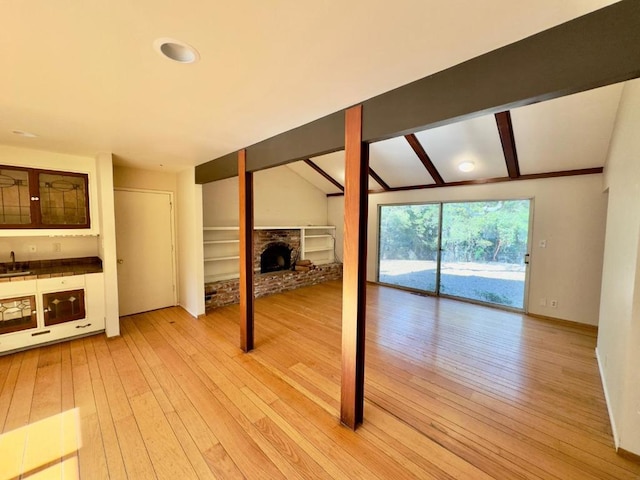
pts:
pixel 62 267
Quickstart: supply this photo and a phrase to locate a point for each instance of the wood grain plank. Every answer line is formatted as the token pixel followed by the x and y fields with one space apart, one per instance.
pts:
pixel 354 270
pixel 453 391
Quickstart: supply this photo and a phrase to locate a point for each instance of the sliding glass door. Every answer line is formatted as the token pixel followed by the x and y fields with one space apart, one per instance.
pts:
pixel 409 246
pixel 471 250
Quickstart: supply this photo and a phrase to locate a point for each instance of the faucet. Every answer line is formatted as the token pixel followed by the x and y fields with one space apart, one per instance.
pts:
pixel 13 260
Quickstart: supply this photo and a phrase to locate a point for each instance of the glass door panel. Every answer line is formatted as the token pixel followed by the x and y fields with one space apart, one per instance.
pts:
pixel 60 307
pixel 483 251
pixel 18 314
pixel 15 199
pixel 408 250
pixel 63 199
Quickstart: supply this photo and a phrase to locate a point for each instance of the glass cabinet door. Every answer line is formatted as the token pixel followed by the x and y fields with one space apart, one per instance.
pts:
pixel 15 198
pixel 32 198
pixel 63 199
pixel 60 307
pixel 18 313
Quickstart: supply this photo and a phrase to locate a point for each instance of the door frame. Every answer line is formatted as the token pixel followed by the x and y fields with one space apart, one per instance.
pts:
pixel 525 301
pixel 174 264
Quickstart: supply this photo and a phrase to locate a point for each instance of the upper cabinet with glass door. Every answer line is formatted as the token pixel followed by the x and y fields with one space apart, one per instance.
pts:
pixel 43 199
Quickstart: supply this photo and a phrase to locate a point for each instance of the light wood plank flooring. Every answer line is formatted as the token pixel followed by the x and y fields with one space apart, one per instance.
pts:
pixel 453 390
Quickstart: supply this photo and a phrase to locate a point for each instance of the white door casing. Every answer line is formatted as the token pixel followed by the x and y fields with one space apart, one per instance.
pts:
pixel 145 242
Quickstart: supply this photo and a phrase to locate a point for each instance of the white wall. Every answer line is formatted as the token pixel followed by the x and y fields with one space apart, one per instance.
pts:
pixel 127 177
pixel 619 329
pixel 69 247
pixel 281 197
pixel 190 247
pixel 569 213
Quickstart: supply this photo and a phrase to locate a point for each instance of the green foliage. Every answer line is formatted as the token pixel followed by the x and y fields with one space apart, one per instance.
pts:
pixel 472 231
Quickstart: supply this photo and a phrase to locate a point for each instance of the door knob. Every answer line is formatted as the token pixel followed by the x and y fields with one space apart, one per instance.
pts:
pixel 120 261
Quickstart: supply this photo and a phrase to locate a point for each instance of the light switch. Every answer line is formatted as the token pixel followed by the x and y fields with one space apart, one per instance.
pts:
pixel 543 244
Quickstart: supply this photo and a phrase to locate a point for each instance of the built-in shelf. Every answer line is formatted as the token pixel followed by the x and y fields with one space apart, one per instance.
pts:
pixel 221 248
pixel 221 277
pixel 318 249
pixel 214 242
pixel 220 259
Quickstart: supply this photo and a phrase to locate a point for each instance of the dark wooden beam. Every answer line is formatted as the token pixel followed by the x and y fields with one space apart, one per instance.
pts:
pixel 321 136
pixel 424 158
pixel 505 129
pixel 246 253
pixel 223 167
pixel 324 174
pixel 354 281
pixel 379 179
pixel 483 181
pixel 594 50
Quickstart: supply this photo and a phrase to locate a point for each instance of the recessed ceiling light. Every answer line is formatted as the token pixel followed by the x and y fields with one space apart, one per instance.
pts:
pixel 22 133
pixel 467 167
pixel 176 50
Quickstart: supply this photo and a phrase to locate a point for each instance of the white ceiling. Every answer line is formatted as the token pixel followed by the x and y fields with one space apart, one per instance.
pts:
pixel 84 77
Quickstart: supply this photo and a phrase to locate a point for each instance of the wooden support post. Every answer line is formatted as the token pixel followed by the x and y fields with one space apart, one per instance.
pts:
pixel 354 270
pixel 246 252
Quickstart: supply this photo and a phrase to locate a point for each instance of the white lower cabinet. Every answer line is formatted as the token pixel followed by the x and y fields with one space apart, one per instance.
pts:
pixel 33 312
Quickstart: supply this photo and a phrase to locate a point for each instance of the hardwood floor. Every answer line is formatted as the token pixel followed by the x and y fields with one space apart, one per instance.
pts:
pixel 453 390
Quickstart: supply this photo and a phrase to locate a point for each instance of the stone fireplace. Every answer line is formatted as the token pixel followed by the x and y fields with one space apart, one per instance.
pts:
pixel 283 245
pixel 275 253
pixel 276 257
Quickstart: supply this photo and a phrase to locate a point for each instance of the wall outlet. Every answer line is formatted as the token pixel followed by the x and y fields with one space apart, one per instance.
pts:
pixel 57 247
pixel 543 244
pixel 33 249
pixel 543 302
pixel 554 303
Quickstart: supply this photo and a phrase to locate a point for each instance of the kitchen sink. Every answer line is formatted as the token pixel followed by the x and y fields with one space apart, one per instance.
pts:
pixel 15 273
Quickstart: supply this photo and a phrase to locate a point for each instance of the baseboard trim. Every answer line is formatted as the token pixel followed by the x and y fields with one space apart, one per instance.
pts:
pixel 561 321
pixel 616 440
pixel 627 455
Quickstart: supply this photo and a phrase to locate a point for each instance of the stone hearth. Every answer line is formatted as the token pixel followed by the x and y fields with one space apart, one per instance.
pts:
pixel 227 292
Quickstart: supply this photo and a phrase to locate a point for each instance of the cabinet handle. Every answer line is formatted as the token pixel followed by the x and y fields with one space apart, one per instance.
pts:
pixel 83 326
pixel 34 199
pixel 41 333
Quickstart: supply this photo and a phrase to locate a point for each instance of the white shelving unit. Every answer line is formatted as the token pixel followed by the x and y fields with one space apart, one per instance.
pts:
pixel 317 244
pixel 221 253
pixel 221 248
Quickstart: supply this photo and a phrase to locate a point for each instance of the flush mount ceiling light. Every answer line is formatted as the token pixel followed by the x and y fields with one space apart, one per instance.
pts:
pixel 22 133
pixel 176 50
pixel 467 167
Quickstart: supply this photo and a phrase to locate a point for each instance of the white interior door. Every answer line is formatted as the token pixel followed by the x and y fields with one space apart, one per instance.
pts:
pixel 144 243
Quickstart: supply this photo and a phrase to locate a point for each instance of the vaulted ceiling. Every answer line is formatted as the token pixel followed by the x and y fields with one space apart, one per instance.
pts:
pixel 567 134
pixel 85 78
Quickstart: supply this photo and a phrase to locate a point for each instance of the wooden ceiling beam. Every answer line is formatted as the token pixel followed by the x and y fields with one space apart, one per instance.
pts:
pixel 508 141
pixel 424 158
pixel 483 181
pixel 385 186
pixel 324 174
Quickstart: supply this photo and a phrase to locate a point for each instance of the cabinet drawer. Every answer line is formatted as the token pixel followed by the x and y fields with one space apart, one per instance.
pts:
pixel 60 283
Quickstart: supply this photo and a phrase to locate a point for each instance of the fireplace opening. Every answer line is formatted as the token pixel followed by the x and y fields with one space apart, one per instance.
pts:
pixel 276 257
